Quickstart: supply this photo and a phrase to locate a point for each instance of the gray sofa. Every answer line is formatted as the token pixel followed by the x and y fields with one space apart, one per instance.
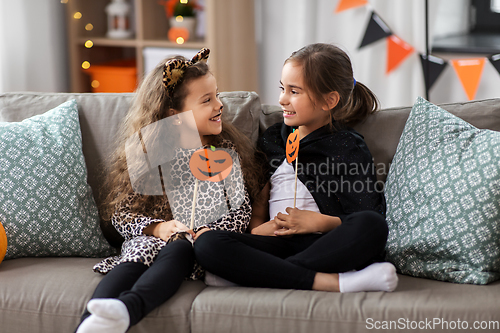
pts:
pixel 49 294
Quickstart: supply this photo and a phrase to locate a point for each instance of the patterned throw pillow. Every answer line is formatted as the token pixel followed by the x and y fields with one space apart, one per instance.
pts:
pixel 46 205
pixel 443 199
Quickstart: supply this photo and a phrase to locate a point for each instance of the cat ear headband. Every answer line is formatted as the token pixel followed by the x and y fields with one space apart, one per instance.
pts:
pixel 173 70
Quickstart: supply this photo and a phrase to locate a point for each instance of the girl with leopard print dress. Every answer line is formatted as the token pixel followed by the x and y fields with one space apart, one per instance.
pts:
pixel 157 252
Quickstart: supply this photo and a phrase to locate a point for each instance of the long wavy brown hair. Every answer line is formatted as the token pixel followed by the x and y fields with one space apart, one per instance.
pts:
pixel 152 103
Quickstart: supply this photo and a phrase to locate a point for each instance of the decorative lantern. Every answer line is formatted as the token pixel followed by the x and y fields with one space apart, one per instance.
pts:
pixel 178 35
pixel 119 13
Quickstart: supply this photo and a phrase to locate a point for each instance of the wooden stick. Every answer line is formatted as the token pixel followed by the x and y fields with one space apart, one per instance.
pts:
pixel 295 191
pixel 194 203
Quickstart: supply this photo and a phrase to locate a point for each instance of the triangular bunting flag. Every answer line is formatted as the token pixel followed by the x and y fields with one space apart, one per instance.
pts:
pixel 495 61
pixel 375 31
pixel 348 4
pixel 469 72
pixel 397 51
pixel 436 67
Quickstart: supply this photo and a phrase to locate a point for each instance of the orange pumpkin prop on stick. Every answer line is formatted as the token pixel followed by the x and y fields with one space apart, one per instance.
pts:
pixel 292 154
pixel 209 164
pixel 292 146
pixel 3 242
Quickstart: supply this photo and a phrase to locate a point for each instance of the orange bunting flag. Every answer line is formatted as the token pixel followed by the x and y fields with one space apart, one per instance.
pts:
pixel 348 4
pixel 469 72
pixel 397 51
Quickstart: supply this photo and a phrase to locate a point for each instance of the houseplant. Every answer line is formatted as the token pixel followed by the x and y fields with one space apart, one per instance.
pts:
pixel 181 14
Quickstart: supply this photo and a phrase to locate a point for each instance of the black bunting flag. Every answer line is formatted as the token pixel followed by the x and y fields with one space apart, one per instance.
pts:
pixel 495 61
pixel 436 67
pixel 376 30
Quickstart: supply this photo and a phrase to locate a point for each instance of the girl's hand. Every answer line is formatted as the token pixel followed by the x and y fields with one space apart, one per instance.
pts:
pixel 266 229
pixel 298 221
pixel 199 232
pixel 164 230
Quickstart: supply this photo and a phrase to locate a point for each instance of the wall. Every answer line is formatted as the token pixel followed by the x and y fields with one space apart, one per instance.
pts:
pixel 286 25
pixel 452 18
pixel 33 53
pixel 290 24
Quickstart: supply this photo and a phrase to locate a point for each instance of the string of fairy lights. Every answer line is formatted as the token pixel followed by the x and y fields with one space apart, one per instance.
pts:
pixel 88 43
pixel 179 37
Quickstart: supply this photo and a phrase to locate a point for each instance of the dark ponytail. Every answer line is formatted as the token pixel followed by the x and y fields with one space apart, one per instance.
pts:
pixel 326 68
pixel 360 104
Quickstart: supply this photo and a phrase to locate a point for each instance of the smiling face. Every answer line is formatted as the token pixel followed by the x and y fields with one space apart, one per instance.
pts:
pixel 298 107
pixel 203 100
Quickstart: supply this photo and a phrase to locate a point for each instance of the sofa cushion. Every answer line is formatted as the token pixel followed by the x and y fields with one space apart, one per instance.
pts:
pixel 415 301
pixel 242 109
pixel 443 199
pixel 50 294
pixel 100 118
pixel 383 129
pixel 46 205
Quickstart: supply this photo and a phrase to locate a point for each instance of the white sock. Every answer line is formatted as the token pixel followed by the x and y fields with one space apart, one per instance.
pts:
pixel 380 276
pixel 108 315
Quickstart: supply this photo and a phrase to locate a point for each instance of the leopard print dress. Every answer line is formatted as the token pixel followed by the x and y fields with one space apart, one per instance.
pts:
pixel 223 205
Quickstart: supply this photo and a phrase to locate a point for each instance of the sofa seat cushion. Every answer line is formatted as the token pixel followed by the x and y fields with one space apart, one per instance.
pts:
pixel 50 294
pixel 238 309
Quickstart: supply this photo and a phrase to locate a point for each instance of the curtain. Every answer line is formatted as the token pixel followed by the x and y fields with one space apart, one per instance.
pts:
pixel 33 53
pixel 287 25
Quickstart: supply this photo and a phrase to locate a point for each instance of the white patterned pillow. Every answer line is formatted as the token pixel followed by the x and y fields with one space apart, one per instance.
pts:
pixel 46 205
pixel 443 199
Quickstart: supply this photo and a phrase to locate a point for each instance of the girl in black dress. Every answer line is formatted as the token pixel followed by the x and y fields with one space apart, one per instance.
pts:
pixel 334 238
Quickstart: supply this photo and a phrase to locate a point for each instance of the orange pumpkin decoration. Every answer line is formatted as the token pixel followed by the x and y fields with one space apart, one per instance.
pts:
pixel 175 32
pixel 3 242
pixel 292 146
pixel 211 164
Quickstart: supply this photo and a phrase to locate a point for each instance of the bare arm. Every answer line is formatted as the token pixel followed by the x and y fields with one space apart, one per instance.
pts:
pixel 298 221
pixel 260 209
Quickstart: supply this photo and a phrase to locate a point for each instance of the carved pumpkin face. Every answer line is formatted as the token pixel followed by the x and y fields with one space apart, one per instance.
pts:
pixel 3 242
pixel 211 164
pixel 292 146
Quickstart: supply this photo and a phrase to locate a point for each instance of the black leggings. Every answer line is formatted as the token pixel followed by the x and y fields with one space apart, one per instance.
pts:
pixel 292 262
pixel 142 289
